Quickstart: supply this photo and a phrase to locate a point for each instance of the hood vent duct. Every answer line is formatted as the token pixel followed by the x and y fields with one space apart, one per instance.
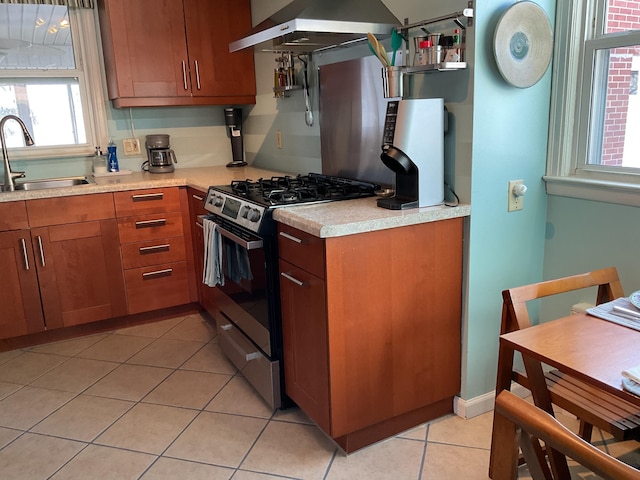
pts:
pixel 306 26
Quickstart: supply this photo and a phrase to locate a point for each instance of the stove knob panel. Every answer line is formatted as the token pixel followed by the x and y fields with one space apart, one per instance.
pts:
pixel 254 215
pixel 245 211
pixel 218 200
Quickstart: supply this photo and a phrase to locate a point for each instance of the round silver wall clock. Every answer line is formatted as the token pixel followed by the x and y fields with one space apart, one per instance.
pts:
pixel 523 44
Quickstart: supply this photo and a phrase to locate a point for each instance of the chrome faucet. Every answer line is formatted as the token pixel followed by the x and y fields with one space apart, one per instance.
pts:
pixel 9 176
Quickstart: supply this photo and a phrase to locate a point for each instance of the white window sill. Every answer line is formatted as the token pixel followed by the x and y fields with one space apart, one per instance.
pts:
pixel 596 190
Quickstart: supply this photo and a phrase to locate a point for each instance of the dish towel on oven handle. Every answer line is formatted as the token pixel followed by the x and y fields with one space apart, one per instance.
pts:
pixel 238 265
pixel 212 273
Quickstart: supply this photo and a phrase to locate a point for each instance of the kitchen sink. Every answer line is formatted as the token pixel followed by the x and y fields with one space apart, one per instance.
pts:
pixel 51 183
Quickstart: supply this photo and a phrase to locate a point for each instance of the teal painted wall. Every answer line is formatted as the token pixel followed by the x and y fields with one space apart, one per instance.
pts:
pixel 505 249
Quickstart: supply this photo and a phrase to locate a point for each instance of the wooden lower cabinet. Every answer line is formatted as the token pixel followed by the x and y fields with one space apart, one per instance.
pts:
pixel 158 266
pixel 20 311
pixel 372 342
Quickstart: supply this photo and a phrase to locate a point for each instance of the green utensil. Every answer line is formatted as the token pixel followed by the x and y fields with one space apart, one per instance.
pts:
pixel 396 43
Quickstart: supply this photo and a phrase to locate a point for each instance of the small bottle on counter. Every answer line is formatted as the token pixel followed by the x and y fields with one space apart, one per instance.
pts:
pixel 112 157
pixel 99 162
pixel 424 57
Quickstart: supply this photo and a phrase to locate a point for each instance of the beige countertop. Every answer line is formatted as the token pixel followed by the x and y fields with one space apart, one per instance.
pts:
pixel 323 220
pixel 337 219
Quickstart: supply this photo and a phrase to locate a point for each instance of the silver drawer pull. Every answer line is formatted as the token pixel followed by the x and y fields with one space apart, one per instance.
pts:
pixel 151 223
pixel 24 252
pixel 184 74
pixel 290 237
pixel 142 197
pixel 292 279
pixel 200 199
pixel 197 75
pixel 41 251
pixel 158 273
pixel 155 248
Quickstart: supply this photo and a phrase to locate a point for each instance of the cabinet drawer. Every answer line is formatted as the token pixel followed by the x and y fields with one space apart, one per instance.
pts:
pixel 44 212
pixel 161 286
pixel 150 227
pixel 142 202
pixel 301 249
pixel 13 216
pixel 153 252
pixel 196 200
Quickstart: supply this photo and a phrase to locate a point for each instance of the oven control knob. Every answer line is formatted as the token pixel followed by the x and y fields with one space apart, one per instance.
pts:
pixel 254 215
pixel 245 211
pixel 218 201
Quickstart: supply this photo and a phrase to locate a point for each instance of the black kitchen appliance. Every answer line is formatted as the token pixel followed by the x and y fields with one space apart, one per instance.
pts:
pixel 233 121
pixel 248 304
pixel 413 148
pixel 159 153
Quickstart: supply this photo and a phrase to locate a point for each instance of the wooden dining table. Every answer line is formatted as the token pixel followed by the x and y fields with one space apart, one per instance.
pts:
pixel 591 349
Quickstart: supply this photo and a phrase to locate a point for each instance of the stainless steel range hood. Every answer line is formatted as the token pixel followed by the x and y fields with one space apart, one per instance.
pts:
pixel 305 26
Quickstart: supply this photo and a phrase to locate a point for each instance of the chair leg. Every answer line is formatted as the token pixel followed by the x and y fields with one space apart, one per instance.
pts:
pixel 585 430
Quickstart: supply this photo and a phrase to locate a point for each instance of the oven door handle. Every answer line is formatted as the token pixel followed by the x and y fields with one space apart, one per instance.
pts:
pixel 246 244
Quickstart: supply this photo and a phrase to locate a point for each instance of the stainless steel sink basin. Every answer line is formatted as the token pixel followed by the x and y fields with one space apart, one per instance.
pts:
pixel 51 183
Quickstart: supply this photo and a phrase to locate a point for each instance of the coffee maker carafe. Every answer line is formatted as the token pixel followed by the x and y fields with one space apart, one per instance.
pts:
pixel 160 156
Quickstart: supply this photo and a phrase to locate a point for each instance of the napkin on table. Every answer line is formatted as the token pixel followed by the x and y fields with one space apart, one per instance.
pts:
pixel 631 379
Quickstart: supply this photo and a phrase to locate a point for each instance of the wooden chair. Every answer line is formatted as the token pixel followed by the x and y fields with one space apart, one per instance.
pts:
pixel 520 424
pixel 593 407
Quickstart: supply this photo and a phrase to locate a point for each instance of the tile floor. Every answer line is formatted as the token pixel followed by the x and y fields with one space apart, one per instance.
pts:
pixel 160 401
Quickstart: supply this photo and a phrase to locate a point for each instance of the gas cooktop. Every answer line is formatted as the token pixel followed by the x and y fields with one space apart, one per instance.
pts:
pixel 289 190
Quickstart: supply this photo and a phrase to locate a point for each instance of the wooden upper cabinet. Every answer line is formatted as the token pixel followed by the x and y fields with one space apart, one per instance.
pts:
pixel 211 26
pixel 176 52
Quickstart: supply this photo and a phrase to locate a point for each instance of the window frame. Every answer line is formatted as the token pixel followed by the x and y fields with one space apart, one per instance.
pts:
pixel 568 173
pixel 90 78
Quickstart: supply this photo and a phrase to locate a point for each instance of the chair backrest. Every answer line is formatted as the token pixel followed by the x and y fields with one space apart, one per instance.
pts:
pixel 515 315
pixel 515 418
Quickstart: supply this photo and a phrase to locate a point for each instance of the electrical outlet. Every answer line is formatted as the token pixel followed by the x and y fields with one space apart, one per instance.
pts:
pixel 131 146
pixel 515 195
pixel 278 139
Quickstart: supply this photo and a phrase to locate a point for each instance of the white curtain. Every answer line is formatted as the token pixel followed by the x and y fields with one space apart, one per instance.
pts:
pixel 68 3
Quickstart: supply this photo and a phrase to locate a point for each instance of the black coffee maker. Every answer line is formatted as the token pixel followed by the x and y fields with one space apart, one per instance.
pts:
pixel 233 120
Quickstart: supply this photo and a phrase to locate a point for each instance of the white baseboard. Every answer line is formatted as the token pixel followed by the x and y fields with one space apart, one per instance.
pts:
pixel 484 403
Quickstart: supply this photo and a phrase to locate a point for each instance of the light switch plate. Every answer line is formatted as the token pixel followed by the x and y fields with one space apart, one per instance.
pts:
pixel 131 146
pixel 514 203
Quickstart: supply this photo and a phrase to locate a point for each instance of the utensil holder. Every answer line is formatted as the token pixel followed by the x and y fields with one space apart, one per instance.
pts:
pixel 392 82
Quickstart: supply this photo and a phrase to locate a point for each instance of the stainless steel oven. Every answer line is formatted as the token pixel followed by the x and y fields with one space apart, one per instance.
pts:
pixel 247 303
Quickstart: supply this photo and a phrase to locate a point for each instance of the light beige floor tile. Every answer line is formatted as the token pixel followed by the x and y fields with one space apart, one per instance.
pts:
pixel 115 348
pixel 167 353
pixel 188 389
pixel 239 397
pixel 96 462
pixel 172 469
pixel 393 458
pixel 129 382
pixel 36 457
pixel 6 356
pixel 244 475
pixel 291 449
pixel 147 428
pixel 417 433
pixel 292 414
pixel 69 348
pixel 210 359
pixel 29 405
pixel 7 435
pixel 26 367
pixel 151 330
pixel 193 328
pixel 451 461
pixel 7 389
pixel 83 418
pixel 628 452
pixel 217 438
pixel 75 375
pixel 455 430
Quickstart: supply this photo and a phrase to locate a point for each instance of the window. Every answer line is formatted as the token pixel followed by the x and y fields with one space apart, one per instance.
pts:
pixel 594 150
pixel 50 77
